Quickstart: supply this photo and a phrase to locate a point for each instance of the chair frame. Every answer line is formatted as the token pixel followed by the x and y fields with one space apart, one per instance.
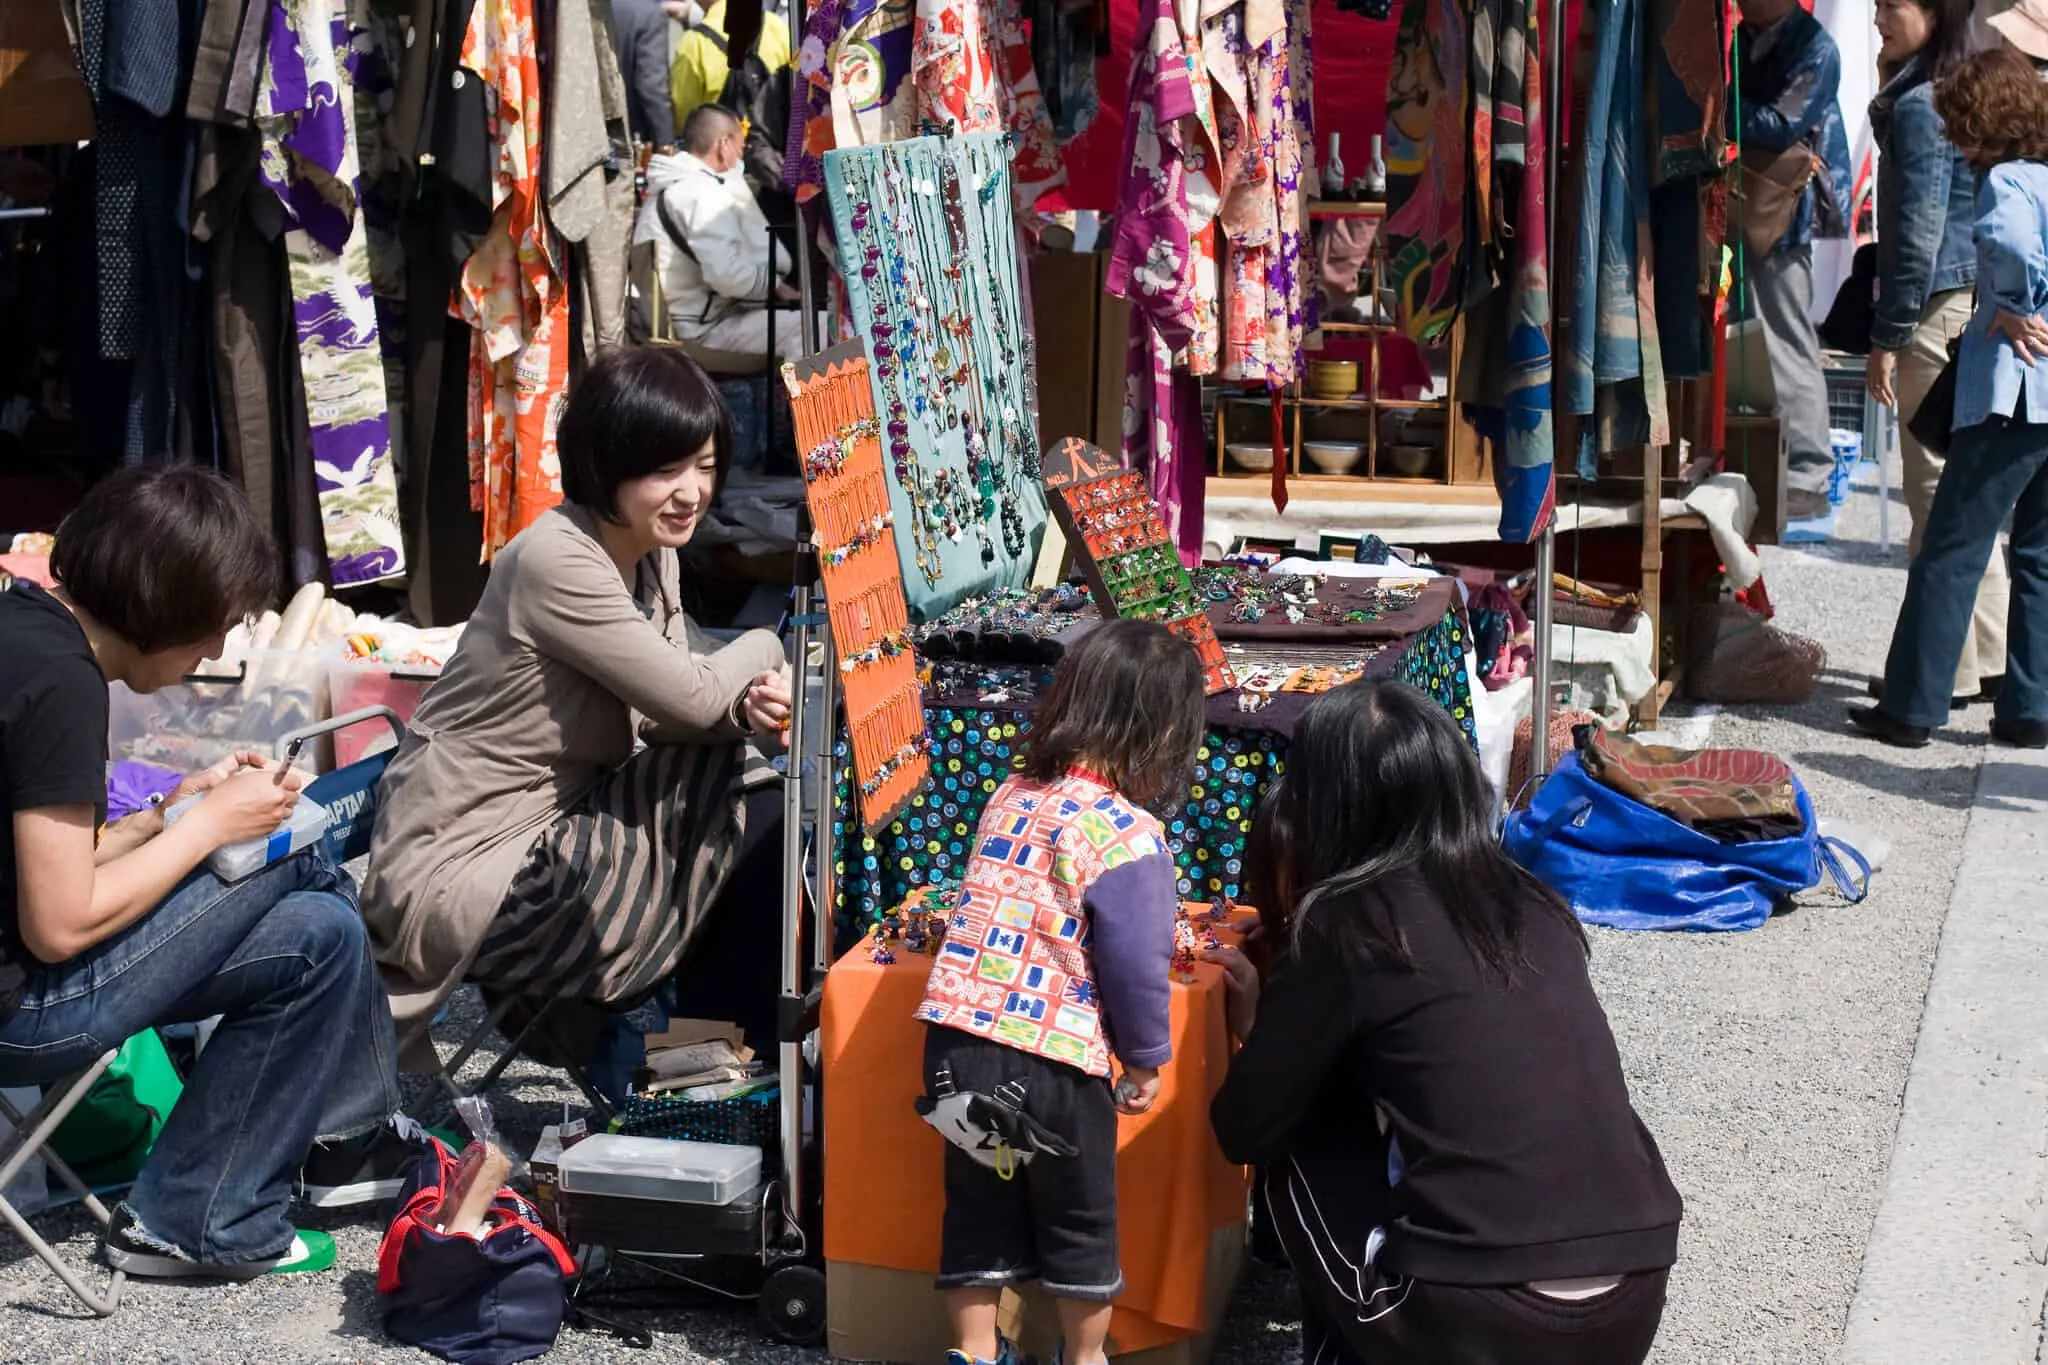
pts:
pixel 30 1138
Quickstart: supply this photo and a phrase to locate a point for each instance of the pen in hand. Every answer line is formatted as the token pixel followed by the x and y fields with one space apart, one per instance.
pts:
pixel 291 756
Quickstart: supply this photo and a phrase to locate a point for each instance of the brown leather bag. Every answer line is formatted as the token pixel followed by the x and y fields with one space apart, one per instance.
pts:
pixel 1772 183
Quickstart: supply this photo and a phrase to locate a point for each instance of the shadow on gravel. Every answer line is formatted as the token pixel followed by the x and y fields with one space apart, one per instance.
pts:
pixel 1953 787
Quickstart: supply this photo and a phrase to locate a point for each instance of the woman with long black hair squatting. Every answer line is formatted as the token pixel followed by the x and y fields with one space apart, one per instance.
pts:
pixel 1427 1080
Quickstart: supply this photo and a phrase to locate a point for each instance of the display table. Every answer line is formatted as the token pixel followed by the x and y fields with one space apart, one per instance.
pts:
pixel 1181 1206
pixel 975 745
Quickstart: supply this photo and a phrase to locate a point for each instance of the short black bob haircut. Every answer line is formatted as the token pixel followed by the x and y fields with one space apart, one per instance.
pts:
pixel 1126 702
pixel 165 557
pixel 636 410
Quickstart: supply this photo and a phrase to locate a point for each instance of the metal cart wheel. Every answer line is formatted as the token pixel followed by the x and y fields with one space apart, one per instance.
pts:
pixel 793 1304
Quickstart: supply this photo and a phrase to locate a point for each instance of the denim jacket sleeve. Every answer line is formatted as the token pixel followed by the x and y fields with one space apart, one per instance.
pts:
pixel 2012 259
pixel 1910 237
pixel 1810 92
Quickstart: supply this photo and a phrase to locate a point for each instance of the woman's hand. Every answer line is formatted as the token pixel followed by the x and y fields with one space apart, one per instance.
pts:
pixel 1240 988
pixel 206 779
pixel 249 804
pixel 765 707
pixel 2028 335
pixel 1880 374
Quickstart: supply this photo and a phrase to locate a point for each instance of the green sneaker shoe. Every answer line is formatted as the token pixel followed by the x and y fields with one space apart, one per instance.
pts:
pixel 130 1247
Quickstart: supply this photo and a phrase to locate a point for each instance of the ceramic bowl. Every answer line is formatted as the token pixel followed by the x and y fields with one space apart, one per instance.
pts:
pixel 1334 457
pixel 1333 378
pixel 1408 462
pixel 1248 455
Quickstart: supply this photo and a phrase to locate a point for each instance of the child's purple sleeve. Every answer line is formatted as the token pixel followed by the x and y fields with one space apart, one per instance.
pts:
pixel 1131 911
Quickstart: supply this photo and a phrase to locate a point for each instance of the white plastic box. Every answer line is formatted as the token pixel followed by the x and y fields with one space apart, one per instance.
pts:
pixel 660 1169
pixel 307 824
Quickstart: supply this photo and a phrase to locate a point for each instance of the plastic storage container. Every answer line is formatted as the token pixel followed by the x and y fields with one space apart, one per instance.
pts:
pixel 655 1168
pixel 307 824
pixel 356 683
pixel 244 703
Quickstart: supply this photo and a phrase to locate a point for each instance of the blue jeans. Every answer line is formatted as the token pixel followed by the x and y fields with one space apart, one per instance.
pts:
pixel 1993 470
pixel 305 1048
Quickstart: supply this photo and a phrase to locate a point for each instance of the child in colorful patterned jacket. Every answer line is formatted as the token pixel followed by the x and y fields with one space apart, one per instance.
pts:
pixel 1054 964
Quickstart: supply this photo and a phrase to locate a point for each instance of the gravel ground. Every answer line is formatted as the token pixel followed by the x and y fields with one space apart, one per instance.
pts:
pixel 1769 1065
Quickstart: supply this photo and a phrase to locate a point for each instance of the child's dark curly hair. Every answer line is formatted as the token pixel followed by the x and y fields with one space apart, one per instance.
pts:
pixel 1995 104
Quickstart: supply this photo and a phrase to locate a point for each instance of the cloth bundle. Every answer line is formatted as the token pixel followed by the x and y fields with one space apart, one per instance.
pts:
pixel 1733 795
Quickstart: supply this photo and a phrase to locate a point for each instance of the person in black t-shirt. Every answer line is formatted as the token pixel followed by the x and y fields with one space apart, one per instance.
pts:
pixel 1427 1080
pixel 107 931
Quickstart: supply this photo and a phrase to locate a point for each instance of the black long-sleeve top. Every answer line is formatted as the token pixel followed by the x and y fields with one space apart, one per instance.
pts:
pixel 1524 1158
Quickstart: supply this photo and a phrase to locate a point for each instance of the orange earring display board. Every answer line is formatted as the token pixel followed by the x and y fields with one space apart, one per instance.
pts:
pixel 840 440
pixel 1132 566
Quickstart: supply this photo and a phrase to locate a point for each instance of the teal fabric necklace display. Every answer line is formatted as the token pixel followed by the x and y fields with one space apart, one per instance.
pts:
pixel 927 247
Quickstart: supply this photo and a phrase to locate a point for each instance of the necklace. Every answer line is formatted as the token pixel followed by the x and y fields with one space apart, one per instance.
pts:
pixel 895 345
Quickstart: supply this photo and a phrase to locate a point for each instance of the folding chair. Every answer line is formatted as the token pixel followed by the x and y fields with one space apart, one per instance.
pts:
pixel 31 1136
pixel 350 795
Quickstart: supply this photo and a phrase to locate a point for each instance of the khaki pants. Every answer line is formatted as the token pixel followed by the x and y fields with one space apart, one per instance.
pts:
pixel 1984 647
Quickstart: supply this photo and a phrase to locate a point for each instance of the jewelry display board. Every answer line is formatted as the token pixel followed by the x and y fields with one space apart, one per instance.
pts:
pixel 928 248
pixel 1130 560
pixel 836 429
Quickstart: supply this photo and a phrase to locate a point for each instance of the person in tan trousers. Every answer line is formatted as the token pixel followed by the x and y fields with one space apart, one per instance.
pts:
pixel 1926 267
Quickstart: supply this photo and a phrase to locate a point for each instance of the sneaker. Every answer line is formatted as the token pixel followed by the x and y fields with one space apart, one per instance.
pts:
pixel 131 1249
pixel 1006 1354
pixel 369 1169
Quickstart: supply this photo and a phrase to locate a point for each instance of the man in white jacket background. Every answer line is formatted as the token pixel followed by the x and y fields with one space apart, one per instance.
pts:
pixel 720 268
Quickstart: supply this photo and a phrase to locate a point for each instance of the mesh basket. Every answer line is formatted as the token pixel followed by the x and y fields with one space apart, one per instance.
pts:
pixel 743 1121
pixel 1738 658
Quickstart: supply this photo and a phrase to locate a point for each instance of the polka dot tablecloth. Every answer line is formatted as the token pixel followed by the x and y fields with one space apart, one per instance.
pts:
pixel 974 748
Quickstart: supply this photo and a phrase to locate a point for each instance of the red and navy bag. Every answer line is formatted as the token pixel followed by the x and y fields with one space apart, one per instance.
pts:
pixel 488 1300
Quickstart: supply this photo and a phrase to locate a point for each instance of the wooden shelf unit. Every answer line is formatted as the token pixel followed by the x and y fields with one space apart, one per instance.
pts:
pixel 1459 470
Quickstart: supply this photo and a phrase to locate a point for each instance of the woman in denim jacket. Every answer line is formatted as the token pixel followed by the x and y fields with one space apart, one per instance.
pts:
pixel 1995 110
pixel 1926 263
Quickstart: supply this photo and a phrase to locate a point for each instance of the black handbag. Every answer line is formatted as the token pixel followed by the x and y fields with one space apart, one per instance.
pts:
pixel 1935 418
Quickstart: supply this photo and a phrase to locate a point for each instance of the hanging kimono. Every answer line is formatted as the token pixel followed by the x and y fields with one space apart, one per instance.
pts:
pixel 810 99
pixel 971 66
pixel 1687 129
pixel 1151 263
pixel 871 59
pixel 1527 438
pixel 1426 159
pixel 1611 368
pixel 512 290
pixel 1263 214
pixel 305 111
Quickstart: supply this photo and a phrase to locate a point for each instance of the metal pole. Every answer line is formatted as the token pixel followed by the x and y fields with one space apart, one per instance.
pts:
pixel 789 1022
pixel 1540 702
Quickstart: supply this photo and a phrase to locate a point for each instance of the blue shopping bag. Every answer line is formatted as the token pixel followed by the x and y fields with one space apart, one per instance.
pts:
pixel 1622 864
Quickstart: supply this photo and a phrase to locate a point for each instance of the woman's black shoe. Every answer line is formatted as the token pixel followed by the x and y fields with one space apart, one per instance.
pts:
pixel 1874 722
pixel 2021 734
pixel 1876 690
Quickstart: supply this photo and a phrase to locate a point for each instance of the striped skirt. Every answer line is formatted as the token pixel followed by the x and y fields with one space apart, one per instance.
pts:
pixel 614 892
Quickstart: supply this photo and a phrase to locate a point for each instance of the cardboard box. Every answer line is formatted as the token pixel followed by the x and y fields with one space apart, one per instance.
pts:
pixel 896 1316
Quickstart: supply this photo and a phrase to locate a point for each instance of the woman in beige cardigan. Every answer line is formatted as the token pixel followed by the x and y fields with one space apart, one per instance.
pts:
pixel 521 842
